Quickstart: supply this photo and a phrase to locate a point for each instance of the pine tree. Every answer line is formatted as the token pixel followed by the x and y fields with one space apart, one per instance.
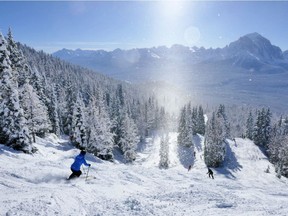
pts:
pixel 79 124
pixel 100 139
pixel 120 95
pixel 157 119
pixel 278 148
pixel 285 126
pixel 35 112
pixel 128 137
pixel 139 119
pixel 36 81
pixel 278 154
pixel 194 119
pixel 182 126
pixel 261 132
pixel 200 121
pixel 214 149
pixel 149 116
pixel 13 130
pixel 164 152
pixel 70 97
pixel 185 130
pixel 54 116
pixel 117 112
pixel 221 115
pixel 163 120
pixel 15 56
pixel 249 126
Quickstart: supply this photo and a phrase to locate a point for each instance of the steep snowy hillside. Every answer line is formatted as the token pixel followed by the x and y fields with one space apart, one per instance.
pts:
pixel 36 185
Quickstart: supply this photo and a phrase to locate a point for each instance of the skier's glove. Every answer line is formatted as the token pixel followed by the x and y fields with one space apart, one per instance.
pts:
pixel 89 165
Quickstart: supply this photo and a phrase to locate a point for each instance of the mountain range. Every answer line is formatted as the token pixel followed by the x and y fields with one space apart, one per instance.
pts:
pixel 249 70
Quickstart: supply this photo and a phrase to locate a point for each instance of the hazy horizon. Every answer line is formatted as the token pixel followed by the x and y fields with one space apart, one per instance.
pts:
pixel 108 25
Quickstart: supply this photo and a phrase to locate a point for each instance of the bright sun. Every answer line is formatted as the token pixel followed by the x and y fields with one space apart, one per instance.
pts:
pixel 172 8
pixel 170 20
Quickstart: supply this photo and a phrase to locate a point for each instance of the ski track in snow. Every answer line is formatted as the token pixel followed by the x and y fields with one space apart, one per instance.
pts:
pixel 36 185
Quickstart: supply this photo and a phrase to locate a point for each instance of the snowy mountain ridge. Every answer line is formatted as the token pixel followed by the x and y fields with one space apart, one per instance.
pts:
pixel 246 46
pixel 248 71
pixel 258 46
pixel 36 185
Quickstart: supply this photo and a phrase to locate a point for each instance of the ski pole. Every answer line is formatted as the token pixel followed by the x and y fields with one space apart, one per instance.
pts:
pixel 84 171
pixel 87 173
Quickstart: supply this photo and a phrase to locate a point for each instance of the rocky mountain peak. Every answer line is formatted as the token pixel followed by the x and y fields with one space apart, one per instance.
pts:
pixel 256 46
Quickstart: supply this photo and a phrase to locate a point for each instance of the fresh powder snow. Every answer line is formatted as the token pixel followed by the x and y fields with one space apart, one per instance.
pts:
pixel 36 184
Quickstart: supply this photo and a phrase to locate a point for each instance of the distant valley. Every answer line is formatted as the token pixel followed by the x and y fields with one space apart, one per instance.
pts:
pixel 249 71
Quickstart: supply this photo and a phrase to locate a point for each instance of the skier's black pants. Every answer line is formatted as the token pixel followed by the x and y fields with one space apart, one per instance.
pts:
pixel 75 174
pixel 211 175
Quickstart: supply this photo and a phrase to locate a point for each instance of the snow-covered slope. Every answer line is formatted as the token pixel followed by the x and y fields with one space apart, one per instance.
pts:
pixel 36 185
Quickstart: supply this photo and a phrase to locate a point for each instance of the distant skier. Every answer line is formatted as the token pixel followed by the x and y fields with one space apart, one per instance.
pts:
pixel 189 168
pixel 268 169
pixel 75 167
pixel 234 142
pixel 210 173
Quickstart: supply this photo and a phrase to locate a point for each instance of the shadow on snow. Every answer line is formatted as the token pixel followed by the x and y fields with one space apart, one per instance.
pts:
pixel 230 164
pixel 185 155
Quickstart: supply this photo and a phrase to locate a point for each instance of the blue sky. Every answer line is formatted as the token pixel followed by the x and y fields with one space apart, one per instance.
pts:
pixel 108 25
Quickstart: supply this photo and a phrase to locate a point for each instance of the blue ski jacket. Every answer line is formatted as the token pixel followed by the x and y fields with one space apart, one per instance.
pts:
pixel 79 160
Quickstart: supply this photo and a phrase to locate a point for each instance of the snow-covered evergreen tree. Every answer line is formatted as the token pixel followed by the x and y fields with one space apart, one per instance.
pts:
pixel 214 148
pixel 100 138
pixel 278 148
pixel 79 124
pixel 249 126
pixel 70 99
pixel 194 120
pixel 54 116
pixel 36 81
pixel 18 65
pixel 285 126
pixel 163 120
pixel 149 116
pixel 185 136
pixel 118 110
pixel 261 133
pixel 221 115
pixel 35 112
pixel 200 121
pixel 164 152
pixel 128 137
pixel 138 116
pixel 13 130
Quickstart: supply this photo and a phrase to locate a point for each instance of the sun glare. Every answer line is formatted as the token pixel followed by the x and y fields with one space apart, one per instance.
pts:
pixel 172 25
pixel 191 35
pixel 172 9
pixel 167 18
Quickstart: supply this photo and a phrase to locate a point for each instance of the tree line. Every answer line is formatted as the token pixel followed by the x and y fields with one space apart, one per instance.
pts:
pixel 271 136
pixel 41 94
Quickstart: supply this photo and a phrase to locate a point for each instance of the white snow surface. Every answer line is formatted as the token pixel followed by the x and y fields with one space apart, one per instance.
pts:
pixel 36 184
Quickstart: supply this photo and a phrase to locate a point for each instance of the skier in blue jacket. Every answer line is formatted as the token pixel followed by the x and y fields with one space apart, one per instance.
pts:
pixel 75 167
